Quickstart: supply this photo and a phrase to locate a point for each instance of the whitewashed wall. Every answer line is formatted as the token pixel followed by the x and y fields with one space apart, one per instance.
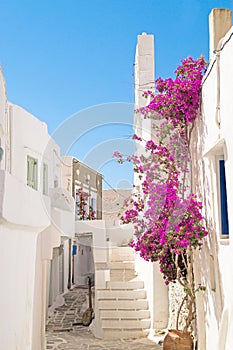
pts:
pixel 157 291
pixel 213 136
pixel 3 126
pixel 31 225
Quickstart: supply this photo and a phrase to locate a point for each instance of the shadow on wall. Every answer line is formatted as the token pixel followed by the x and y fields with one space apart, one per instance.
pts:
pixel 206 268
pixel 83 262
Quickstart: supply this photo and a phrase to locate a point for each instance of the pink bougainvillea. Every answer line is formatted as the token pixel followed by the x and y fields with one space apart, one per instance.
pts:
pixel 166 215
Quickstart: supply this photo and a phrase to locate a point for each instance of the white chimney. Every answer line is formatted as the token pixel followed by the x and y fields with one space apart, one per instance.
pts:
pixel 220 21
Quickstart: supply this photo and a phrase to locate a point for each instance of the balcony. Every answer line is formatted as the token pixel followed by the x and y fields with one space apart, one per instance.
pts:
pixel 22 205
pixel 62 212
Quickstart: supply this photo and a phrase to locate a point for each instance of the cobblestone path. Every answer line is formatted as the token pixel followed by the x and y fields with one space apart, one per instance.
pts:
pixel 65 332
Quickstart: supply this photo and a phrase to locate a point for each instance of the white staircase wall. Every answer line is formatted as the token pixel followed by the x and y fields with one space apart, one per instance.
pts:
pixel 157 291
pixel 117 273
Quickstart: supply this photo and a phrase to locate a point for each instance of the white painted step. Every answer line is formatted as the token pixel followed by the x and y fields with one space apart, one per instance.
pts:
pixel 126 324
pixel 122 275
pixel 121 265
pixel 125 285
pixel 124 334
pixel 123 304
pixel 121 294
pixel 124 314
pixel 122 254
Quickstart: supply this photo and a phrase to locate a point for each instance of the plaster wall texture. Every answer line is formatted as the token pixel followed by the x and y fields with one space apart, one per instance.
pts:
pixel 30 138
pixel 16 320
pixel 157 291
pixel 22 321
pixel 35 210
pixel 29 228
pixel 66 264
pixel 211 138
pixel 3 126
pixel 144 73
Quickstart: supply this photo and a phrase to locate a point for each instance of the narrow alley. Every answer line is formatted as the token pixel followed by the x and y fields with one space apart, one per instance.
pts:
pixel 64 329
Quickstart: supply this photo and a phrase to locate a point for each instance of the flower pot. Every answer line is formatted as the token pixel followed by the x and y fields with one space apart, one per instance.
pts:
pixel 178 340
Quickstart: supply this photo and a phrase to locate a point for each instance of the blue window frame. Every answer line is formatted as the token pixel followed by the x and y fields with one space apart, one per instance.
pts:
pixel 223 198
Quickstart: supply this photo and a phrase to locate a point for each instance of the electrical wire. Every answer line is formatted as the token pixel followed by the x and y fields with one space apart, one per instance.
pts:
pixel 216 52
pixel 113 188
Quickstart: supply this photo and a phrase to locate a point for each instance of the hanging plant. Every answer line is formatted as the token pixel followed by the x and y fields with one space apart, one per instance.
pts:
pixel 81 204
pixel 84 212
pixel 92 213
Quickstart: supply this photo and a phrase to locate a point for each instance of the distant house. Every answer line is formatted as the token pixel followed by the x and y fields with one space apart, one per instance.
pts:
pixel 113 202
pixel 85 185
pixel 81 180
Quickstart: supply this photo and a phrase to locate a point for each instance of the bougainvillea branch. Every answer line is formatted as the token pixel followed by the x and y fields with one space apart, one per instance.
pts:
pixel 166 215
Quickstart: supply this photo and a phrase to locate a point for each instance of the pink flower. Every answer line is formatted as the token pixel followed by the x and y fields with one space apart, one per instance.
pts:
pixel 166 220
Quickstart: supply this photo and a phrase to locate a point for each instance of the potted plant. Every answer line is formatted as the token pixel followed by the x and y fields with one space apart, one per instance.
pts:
pixel 165 213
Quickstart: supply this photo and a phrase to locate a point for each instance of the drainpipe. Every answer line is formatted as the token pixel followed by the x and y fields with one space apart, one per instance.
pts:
pixel 220 22
pixel 70 267
pixel 217 112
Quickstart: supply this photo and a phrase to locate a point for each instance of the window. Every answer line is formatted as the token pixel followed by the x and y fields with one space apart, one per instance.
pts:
pixel 93 203
pixel 92 209
pixel 55 181
pixel 223 198
pixel 45 179
pixel 32 172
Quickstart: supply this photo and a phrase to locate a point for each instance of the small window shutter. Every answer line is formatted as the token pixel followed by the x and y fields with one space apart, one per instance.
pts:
pixel 45 179
pixel 223 198
pixel 93 203
pixel 32 172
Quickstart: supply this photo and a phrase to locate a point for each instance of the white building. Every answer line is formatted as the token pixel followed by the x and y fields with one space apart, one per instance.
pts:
pixel 85 186
pixel 34 214
pixel 212 149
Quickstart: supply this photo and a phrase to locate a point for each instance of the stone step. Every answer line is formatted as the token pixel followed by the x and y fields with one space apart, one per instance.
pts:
pixel 121 265
pixel 123 304
pixel 122 254
pixel 126 324
pixel 124 314
pixel 121 294
pixel 112 333
pixel 122 275
pixel 125 285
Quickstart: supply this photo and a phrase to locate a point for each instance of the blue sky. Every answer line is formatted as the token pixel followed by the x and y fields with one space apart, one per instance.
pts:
pixel 60 57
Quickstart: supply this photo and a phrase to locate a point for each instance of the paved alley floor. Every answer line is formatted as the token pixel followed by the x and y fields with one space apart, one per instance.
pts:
pixel 64 329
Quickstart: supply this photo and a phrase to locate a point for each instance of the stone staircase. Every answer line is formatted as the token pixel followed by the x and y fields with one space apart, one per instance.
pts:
pixel 123 307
